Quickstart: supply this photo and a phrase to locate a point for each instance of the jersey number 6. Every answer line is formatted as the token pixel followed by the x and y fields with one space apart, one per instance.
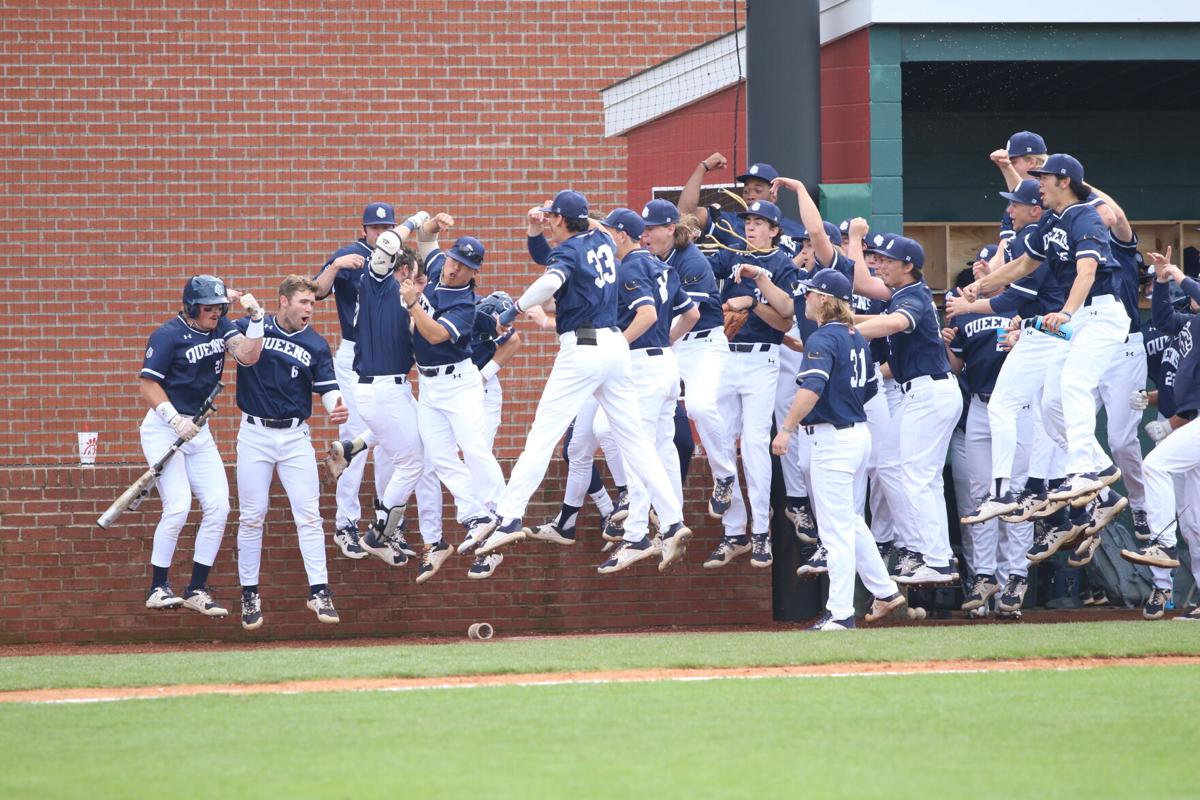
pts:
pixel 602 260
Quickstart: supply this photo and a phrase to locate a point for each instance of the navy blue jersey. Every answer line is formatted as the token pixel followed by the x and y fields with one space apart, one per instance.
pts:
pixel 976 344
pixel 384 344
pixel 1034 294
pixel 187 363
pixel 345 286
pixel 678 300
pixel 838 367
pixel 292 366
pixel 1062 239
pixel 842 264
pixel 1185 329
pixel 587 264
pixel 453 309
pixel 868 306
pixel 1128 259
pixel 642 280
pixel 539 248
pixel 918 349
pixel 696 275
pixel 1156 343
pixel 791 232
pixel 783 274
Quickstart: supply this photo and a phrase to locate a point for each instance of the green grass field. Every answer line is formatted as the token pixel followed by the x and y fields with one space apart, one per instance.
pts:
pixel 1125 731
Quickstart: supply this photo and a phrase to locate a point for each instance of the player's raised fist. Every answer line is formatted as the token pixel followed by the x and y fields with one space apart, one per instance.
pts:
pixel 859 228
pixel 349 261
pixel 970 292
pixel 444 222
pixel 251 306
pixel 1000 157
pixel 715 161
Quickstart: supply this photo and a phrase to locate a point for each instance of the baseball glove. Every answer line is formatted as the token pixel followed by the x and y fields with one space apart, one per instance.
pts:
pixel 734 320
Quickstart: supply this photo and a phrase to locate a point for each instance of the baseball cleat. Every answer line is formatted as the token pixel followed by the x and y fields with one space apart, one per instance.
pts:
pixel 400 543
pixel 484 566
pixel 252 617
pixel 505 533
pixel 621 509
pixel 1050 508
pixel 674 544
pixel 478 529
pixel 982 589
pixel 1110 475
pixel 322 604
pixel 722 497
pixel 1141 525
pixel 550 532
pixel 817 564
pixel 348 540
pixel 925 575
pixel 432 558
pixel 802 521
pixel 613 531
pixel 991 508
pixel 883 606
pixel 1077 487
pixel 1013 595
pixel 1084 552
pixel 627 554
pixel 1191 616
pixel 760 550
pixel 200 600
pixel 885 550
pixel 1153 555
pixel 1156 603
pixel 163 597
pixel 828 623
pixel 1028 504
pixel 1104 513
pixel 907 562
pixel 385 550
pixel 727 550
pixel 1050 540
pixel 341 453
pixel 1014 616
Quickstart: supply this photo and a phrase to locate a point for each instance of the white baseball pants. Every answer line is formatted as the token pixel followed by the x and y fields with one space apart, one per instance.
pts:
pixel 349 509
pixel 1018 389
pixel 839 474
pixel 390 412
pixel 591 431
pixel 747 400
pixel 581 371
pixel 261 452
pixel 1126 375
pixel 1178 454
pixel 879 419
pixel 785 392
pixel 702 361
pixel 493 405
pixel 657 380
pixel 195 468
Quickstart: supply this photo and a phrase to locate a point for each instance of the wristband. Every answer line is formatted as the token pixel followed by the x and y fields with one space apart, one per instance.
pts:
pixel 489 370
pixel 255 329
pixel 413 303
pixel 166 411
pixel 1066 313
pixel 705 165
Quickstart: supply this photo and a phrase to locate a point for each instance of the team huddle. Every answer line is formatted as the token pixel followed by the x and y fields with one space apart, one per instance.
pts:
pixel 744 323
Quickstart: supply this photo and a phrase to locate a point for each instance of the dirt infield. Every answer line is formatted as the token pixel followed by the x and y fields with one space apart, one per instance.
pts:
pixel 857 669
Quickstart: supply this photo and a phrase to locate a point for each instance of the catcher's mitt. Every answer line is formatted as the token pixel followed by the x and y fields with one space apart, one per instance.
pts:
pixel 734 320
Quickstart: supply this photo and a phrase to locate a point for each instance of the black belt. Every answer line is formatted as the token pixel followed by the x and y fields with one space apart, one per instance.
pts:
pixel 586 334
pixel 750 348
pixel 392 378
pixel 698 334
pixel 278 424
pixel 1088 301
pixel 943 376
pixel 650 351
pixel 809 428
pixel 431 372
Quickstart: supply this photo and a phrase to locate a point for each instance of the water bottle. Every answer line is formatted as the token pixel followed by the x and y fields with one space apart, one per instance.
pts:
pixel 1064 331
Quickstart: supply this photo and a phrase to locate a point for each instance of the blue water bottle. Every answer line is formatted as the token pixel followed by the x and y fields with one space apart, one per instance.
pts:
pixel 1064 331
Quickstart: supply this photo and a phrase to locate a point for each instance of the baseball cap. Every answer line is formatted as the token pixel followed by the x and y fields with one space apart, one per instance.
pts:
pixel 379 214
pixel 878 243
pixel 1061 165
pixel 832 231
pixel 761 170
pixel 468 251
pixel 765 209
pixel 900 248
pixel 985 254
pixel 1026 193
pixel 660 212
pixel 1025 143
pixel 626 220
pixel 830 282
pixel 568 203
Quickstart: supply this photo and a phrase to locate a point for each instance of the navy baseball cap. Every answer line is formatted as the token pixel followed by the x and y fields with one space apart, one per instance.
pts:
pixel 1026 193
pixel 1025 143
pixel 830 282
pixel 660 212
pixel 761 170
pixel 379 214
pixel 468 251
pixel 901 248
pixel 1061 165
pixel 878 243
pixel 985 254
pixel 568 203
pixel 765 209
pixel 832 231
pixel 626 220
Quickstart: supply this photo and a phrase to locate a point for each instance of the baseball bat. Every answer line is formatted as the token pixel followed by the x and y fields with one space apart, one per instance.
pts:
pixel 140 489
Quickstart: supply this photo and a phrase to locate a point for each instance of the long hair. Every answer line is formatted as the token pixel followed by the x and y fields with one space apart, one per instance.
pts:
pixel 687 230
pixel 833 309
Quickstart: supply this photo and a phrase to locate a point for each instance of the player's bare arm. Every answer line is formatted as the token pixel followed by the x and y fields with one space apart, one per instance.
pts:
pixel 810 215
pixel 1007 170
pixel 684 323
pixel 689 197
pixel 1012 271
pixel 1085 276
pixel 865 283
pixel 879 325
pixel 643 319
pixel 779 300
pixel 326 277
pixel 802 405
pixel 431 329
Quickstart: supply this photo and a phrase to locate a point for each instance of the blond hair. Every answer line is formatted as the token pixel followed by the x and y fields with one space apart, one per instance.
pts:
pixel 833 309
pixel 687 230
pixel 296 283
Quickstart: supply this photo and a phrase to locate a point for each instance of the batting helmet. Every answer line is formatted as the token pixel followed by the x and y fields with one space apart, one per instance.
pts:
pixel 204 290
pixel 496 304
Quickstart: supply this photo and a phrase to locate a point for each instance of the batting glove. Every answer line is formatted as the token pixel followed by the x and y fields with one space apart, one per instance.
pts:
pixel 1139 400
pixel 1158 429
pixel 184 426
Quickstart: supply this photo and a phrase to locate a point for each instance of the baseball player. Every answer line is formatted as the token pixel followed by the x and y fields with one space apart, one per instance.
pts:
pixel 1175 451
pixel 184 360
pixel 490 352
pixel 1024 150
pixel 762 282
pixel 593 361
pixel 275 397
pixel 917 441
pixel 833 379
pixel 340 276
pixel 1073 238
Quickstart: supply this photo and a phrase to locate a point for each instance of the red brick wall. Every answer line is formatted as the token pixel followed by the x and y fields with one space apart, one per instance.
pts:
pixel 144 143
pixel 62 579
pixel 846 109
